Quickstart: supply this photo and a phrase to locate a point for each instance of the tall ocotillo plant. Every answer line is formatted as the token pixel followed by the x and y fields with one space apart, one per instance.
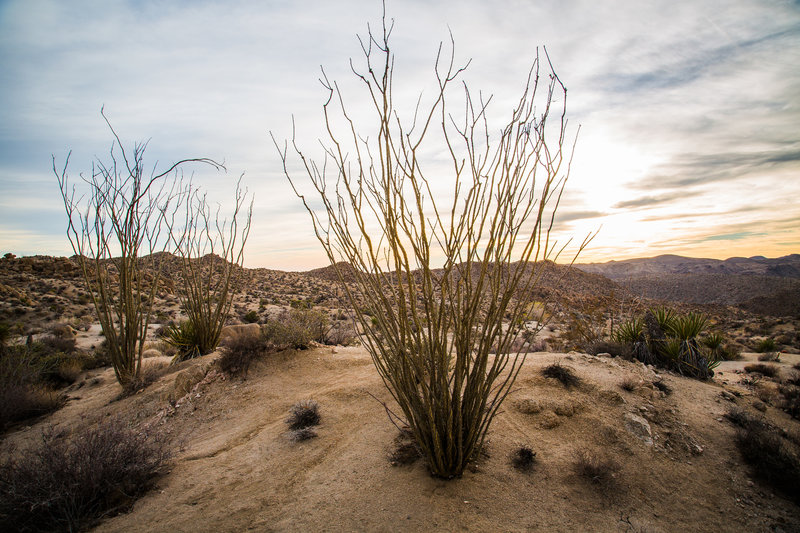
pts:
pixel 433 328
pixel 115 229
pixel 211 248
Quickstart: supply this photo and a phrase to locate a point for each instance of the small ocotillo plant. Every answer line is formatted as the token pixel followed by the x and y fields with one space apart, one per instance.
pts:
pixel 431 330
pixel 211 249
pixel 115 225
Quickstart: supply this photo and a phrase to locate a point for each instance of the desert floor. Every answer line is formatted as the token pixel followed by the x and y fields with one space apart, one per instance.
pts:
pixel 236 469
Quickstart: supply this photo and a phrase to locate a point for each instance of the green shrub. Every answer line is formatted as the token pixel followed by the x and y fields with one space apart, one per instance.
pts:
pixel 250 317
pixel 766 345
pixel 668 339
pixel 630 332
pixel 68 481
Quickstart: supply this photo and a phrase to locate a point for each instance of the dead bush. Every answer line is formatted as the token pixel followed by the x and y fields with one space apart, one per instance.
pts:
pixel 770 456
pixel 630 383
pixel 67 481
pixel 596 468
pixel 304 414
pixel 523 458
pixel 21 401
pixel 238 352
pixel 562 373
pixel 405 450
pixel 770 371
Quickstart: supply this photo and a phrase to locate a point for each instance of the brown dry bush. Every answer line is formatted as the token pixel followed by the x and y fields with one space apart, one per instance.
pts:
pixel 304 414
pixel 760 368
pixel 771 457
pixel 630 383
pixel 523 458
pixel 68 481
pixel 563 374
pixel 238 352
pixel 596 468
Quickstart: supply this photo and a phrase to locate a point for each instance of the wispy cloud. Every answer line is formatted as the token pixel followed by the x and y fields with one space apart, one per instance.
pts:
pixel 689 112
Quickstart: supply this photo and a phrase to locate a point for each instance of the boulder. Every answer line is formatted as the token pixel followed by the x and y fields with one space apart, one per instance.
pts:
pixel 639 428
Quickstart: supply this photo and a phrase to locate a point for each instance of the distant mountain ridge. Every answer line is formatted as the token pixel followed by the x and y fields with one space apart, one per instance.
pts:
pixel 757 284
pixel 782 267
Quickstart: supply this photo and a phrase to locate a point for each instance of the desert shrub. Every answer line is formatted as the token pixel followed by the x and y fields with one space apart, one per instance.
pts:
pixel 239 351
pixel 597 468
pixel 185 338
pixel 629 383
pixel 523 458
pixel 68 481
pixel 789 399
pixel 770 356
pixel 297 328
pixel 563 374
pixel 251 317
pixel 662 386
pixel 342 334
pixel 55 343
pixel 303 414
pixel 302 434
pixel 770 456
pixel 611 347
pixel 765 345
pixel 21 401
pixel 668 339
pixel 765 370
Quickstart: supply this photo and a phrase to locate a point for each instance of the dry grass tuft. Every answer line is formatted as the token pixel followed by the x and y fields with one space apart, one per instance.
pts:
pixel 596 468
pixel 630 383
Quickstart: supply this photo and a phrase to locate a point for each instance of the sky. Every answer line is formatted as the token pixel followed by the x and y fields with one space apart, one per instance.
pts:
pixel 689 112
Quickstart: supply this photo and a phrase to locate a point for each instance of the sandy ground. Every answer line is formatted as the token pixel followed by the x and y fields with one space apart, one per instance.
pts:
pixel 235 468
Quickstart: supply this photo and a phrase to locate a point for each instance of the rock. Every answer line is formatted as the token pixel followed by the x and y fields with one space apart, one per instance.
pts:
pixel 604 354
pixel 760 406
pixel 727 396
pixel 639 428
pixel 185 382
pixel 236 330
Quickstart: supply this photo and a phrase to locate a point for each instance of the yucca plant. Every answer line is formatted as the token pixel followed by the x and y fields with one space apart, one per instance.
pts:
pixel 184 337
pixel 630 332
pixel 665 318
pixel 688 326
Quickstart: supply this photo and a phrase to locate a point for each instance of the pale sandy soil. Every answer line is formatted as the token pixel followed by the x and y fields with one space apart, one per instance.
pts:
pixel 235 468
